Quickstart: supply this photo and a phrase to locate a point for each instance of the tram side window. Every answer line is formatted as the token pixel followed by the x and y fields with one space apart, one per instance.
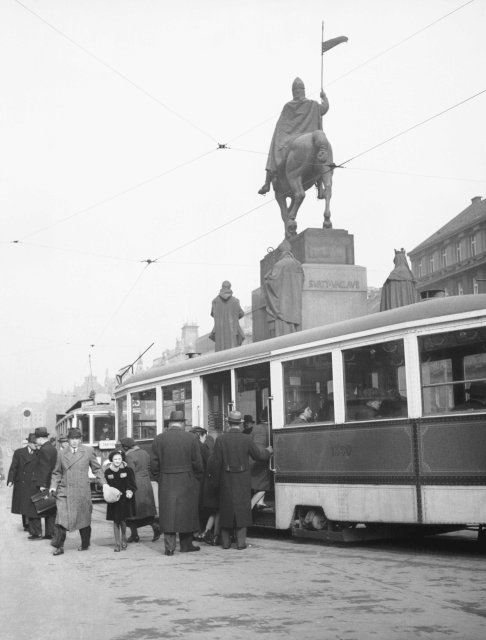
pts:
pixel 121 407
pixel 83 426
pixel 144 420
pixel 308 390
pixel 375 381
pixel 177 397
pixel 453 371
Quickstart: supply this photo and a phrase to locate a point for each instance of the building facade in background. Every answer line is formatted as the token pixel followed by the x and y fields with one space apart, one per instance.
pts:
pixel 453 259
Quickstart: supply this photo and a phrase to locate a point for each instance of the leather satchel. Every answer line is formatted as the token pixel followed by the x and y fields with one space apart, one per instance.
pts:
pixel 43 501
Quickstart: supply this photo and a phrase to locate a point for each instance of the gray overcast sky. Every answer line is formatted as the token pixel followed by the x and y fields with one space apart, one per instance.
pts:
pixel 110 116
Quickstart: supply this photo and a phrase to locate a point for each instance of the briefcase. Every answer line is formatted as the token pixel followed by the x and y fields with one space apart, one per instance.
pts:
pixel 43 501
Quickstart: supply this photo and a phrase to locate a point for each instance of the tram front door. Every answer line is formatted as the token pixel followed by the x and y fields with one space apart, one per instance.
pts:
pixel 252 399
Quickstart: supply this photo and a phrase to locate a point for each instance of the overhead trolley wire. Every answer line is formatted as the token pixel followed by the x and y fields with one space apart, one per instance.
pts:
pixel 364 63
pixel 115 70
pixel 418 124
pixel 113 197
pixel 124 299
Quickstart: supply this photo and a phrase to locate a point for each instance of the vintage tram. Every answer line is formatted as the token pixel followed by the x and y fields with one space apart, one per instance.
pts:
pixel 395 438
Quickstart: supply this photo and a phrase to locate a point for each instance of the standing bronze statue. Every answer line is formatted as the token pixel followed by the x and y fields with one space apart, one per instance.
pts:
pixel 226 311
pixel 300 156
pixel 282 288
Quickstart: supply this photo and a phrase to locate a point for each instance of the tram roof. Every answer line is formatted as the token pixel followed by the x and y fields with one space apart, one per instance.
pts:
pixel 418 312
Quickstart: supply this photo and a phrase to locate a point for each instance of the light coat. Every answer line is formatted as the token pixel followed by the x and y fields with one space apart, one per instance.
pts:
pixel 176 464
pixel 230 464
pixel 71 481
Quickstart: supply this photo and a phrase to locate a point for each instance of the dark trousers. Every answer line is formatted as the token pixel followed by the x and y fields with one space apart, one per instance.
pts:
pixel 35 525
pixel 60 536
pixel 185 541
pixel 226 537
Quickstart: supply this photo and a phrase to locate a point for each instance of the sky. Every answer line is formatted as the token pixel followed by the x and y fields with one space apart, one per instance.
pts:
pixel 111 115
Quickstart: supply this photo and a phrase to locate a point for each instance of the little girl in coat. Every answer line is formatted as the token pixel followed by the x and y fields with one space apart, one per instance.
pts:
pixel 119 475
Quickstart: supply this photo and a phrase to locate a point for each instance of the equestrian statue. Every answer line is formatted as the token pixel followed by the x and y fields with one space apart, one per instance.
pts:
pixel 300 154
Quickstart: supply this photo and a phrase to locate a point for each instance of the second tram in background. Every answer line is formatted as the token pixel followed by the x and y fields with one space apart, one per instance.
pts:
pixel 394 435
pixel 95 418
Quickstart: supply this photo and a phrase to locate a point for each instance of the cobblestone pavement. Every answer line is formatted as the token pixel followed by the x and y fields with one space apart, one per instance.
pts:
pixel 276 589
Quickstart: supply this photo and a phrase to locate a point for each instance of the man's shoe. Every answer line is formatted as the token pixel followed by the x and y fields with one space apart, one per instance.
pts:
pixel 243 546
pixel 58 552
pixel 168 553
pixel 191 548
pixel 81 548
pixel 32 537
pixel 47 538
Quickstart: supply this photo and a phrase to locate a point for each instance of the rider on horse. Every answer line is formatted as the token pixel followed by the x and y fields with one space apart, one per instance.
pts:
pixel 298 116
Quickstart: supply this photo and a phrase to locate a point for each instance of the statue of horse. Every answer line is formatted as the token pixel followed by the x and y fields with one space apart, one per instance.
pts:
pixel 309 161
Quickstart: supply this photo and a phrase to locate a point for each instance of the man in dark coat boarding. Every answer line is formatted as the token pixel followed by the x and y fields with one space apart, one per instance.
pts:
pixel 176 464
pixel 230 463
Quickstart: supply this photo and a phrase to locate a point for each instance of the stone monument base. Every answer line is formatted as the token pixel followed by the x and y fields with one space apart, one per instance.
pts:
pixel 334 287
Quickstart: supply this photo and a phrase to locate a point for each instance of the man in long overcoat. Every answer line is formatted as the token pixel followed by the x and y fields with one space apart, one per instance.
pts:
pixel 230 463
pixel 70 482
pixel 176 464
pixel 139 460
pixel 45 461
pixel 20 477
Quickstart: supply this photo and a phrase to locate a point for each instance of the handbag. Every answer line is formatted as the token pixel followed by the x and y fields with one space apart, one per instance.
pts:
pixel 110 494
pixel 43 501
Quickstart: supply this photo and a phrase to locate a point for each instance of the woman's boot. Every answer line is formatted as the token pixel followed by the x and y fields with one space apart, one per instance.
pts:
pixel 134 535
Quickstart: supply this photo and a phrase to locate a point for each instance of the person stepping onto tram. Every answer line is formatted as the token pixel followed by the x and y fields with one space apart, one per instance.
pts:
pixel 230 463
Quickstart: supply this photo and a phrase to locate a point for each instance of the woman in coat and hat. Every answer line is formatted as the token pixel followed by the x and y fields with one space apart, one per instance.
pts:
pixel 230 463
pixel 70 483
pixel 119 475
pixel 139 461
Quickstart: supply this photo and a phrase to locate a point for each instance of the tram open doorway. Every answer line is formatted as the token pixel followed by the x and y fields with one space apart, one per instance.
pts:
pixel 252 399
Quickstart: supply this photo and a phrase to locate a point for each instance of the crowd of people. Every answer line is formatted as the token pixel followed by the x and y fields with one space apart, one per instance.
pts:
pixel 205 486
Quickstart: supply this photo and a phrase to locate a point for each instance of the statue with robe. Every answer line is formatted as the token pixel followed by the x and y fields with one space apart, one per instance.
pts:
pixel 226 311
pixel 282 288
pixel 400 287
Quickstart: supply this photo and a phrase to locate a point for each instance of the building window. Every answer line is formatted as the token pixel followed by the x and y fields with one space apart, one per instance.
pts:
pixel 458 252
pixel 459 289
pixel 473 245
pixel 420 269
pixel 431 263
pixel 444 257
pixel 446 293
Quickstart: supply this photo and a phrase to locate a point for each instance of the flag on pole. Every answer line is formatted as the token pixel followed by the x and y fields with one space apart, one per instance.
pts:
pixel 329 44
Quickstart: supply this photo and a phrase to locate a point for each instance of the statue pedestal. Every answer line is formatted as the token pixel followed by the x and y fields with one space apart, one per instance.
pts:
pixel 334 287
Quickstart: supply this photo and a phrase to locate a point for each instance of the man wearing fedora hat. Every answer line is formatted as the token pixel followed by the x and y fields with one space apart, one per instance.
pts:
pixel 230 463
pixel 70 482
pixel 20 477
pixel 45 462
pixel 175 463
